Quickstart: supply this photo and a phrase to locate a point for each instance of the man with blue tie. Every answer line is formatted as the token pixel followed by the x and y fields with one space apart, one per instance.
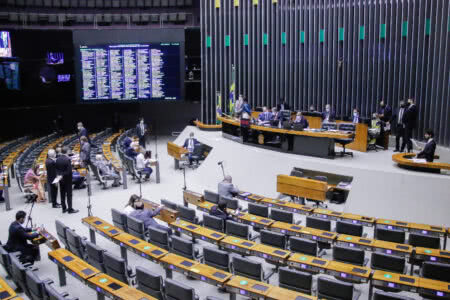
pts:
pixel 190 145
pixel 355 116
pixel 328 115
pixel 141 130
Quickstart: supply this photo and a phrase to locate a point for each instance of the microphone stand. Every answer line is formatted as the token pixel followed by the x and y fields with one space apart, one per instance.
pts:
pixel 29 219
pixel 223 171
pixel 89 192
pixel 184 177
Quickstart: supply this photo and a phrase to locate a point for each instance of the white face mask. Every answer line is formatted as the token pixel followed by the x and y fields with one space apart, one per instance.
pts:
pixel 142 122
pixel 327 109
pixel 79 128
pixel 355 113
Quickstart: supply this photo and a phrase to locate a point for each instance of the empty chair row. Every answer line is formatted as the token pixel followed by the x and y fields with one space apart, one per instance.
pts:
pixel 102 19
pixel 98 3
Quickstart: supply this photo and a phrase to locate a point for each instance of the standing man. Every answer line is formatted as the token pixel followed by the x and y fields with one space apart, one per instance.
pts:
pixel 385 112
pixel 239 107
pixel 50 166
pixel 141 130
pixel 64 169
pixel 82 132
pixel 328 115
pixel 400 127
pixel 410 120
pixel 85 153
pixel 18 239
pixel 283 105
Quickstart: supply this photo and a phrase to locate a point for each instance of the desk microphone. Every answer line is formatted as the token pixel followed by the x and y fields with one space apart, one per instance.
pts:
pixel 220 162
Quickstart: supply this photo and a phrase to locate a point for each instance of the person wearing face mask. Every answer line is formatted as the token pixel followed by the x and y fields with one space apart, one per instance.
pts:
pixel 328 115
pixel 141 130
pixel 427 152
pixel 410 121
pixel 385 112
pixel 300 119
pixel 400 126
pixel 312 108
pixel 355 117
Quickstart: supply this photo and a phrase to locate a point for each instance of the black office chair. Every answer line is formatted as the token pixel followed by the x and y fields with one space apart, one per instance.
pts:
pixel 282 216
pixel 53 294
pixel 119 219
pixel 36 286
pixel 248 268
pixel 18 274
pixel 390 235
pixel 273 239
pixel 318 223
pixel 295 280
pixel 5 261
pixel 385 262
pixel 117 267
pixel 184 248
pixel 213 223
pixel 187 214
pixel 335 290
pixel 305 246
pixel 178 291
pixel 169 204
pixel 349 228
pixel 216 258
pixel 349 127
pixel 424 240
pixel 95 256
pixel 319 203
pixel 349 255
pixel 136 227
pixel 232 203
pixel 76 244
pixel 435 270
pixel 379 295
pixel 239 230
pixel 296 173
pixel 61 232
pixel 149 283
pixel 258 210
pixel 329 126
pixel 159 237
pixel 211 197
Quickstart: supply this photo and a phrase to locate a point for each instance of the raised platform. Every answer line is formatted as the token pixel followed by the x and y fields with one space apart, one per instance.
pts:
pixel 380 188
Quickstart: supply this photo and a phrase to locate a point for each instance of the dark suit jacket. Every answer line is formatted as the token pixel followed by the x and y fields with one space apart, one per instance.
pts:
pixel 286 107
pixel 130 152
pixel 386 112
pixel 18 236
pixel 139 132
pixel 395 117
pixel 186 143
pixel 50 166
pixel 410 117
pixel 304 122
pixel 64 168
pixel 216 212
pixel 331 118
pixel 428 151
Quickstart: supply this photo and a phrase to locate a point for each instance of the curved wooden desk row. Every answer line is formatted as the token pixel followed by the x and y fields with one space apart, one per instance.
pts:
pixel 172 262
pixel 405 160
pixel 326 236
pixel 207 127
pixel 107 151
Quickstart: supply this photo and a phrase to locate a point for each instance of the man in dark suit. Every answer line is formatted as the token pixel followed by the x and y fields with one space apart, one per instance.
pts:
pixel 355 117
pixel 328 115
pixel 430 147
pixel 64 169
pixel 141 130
pixel 385 112
pixel 18 237
pixel 50 166
pixel 283 105
pixel 82 132
pixel 399 125
pixel 300 119
pixel 85 153
pixel 410 121
pixel 190 144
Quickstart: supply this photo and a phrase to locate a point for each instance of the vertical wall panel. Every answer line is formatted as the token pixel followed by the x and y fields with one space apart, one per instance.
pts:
pixel 318 67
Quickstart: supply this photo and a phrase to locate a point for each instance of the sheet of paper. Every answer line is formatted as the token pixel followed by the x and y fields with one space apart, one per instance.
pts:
pixel 419 160
pixel 57 179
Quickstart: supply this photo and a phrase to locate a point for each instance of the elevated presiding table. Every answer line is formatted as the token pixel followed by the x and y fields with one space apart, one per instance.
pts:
pixel 409 161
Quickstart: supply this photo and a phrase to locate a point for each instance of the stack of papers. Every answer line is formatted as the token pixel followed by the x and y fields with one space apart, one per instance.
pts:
pixel 419 160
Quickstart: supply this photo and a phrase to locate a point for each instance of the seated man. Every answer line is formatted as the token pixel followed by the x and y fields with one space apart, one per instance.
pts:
pixel 226 188
pixel 299 119
pixel 189 145
pixel 105 168
pixel 146 215
pixel 143 164
pixel 18 237
pixel 126 143
pixel 130 152
pixel 427 152
pixel 220 210
pixel 265 117
pixel 78 180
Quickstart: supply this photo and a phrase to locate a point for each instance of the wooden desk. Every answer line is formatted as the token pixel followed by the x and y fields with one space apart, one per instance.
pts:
pixel 105 229
pixel 67 261
pixel 286 228
pixel 47 238
pixel 434 288
pixel 308 263
pixel 139 247
pixel 176 152
pixel 434 255
pixel 318 235
pixel 278 293
pixel 247 287
pixel 287 206
pixel 395 281
pixel 172 262
pixel 238 245
pixel 404 160
pixel 107 286
pixel 358 219
pixel 6 292
pixel 205 206
pixel 210 275
pixel 207 127
pixel 350 272
pixel 166 214
pixel 270 253
pixel 192 197
pixel 392 248
pixel 327 214
pixel 194 230
pixel 355 241
pixel 252 220
pixel 302 187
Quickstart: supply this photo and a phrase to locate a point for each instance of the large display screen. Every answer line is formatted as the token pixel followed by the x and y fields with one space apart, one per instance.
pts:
pixel 5 44
pixel 124 72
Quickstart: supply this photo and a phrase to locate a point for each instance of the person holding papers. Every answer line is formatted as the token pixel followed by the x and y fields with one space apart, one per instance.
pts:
pixel 430 147
pixel 50 166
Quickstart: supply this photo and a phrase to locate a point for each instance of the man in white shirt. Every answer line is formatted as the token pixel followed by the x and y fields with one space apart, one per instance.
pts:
pixel 190 144
pixel 142 164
